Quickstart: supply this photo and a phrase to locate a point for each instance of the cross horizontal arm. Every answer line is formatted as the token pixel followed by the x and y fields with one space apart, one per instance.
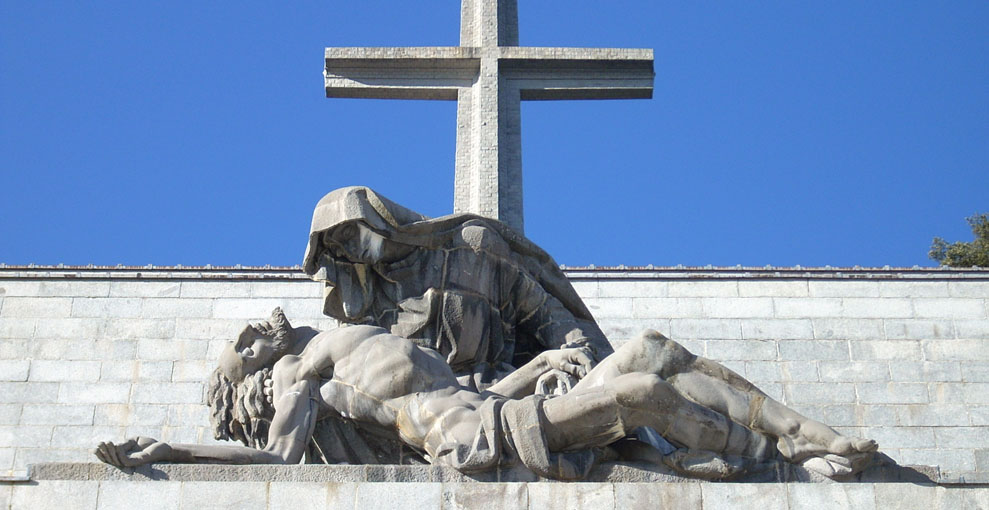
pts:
pixel 399 73
pixel 579 73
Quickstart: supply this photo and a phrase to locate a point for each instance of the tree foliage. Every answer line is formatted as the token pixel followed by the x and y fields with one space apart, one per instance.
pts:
pixel 960 254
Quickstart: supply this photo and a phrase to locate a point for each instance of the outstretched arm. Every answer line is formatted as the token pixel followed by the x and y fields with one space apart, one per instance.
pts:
pixel 522 382
pixel 291 428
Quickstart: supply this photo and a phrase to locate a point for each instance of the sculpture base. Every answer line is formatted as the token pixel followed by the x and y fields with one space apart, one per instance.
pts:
pixel 173 486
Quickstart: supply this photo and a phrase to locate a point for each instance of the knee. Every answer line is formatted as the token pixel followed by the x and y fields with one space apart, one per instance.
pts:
pixel 653 352
pixel 643 390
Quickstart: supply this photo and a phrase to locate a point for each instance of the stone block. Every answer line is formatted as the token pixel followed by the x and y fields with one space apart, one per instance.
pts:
pixel 28 392
pixel 84 329
pixel 962 437
pixel 961 498
pixel 620 330
pixel 973 329
pixel 184 434
pixel 899 437
pixel 933 415
pixel 294 289
pixel 838 496
pixel 301 496
pixel 978 415
pixel 85 437
pixel 427 495
pixel 610 308
pixel 168 393
pixel 969 393
pixel 93 393
pixel 159 495
pixel 15 348
pixel 57 414
pixel 590 288
pixel 892 393
pixel 37 307
pixel 715 329
pixel 25 436
pixel 854 371
pixel 192 371
pixel 85 350
pixel 135 329
pixel 6 464
pixel 136 371
pixel 975 371
pixel 16 327
pixel 144 288
pixel 947 459
pixel 60 494
pixel 848 329
pixel 742 349
pixel 820 393
pixel 57 371
pixel 982 459
pixel 886 350
pixel 768 371
pixel 25 457
pixel 925 371
pixel 682 288
pixel 800 371
pixel 492 496
pixel 10 414
pixel 126 415
pixel 913 289
pixel 209 329
pixel 657 496
pixel 968 289
pixel 963 350
pixel 170 308
pixel 953 308
pixel 20 287
pixel 14 370
pixel 746 308
pixel 564 496
pixel 247 309
pixel 627 288
pixel 918 329
pixel 224 495
pixel 906 496
pixel 772 288
pixel 87 307
pixel 732 496
pixel 883 308
pixel 171 349
pixel 777 329
pixel 654 307
pixel 73 288
pixel 808 350
pixel 843 288
pixel 215 289
pixel 803 308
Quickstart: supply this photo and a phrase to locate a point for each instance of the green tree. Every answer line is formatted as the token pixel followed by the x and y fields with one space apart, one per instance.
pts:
pixel 959 254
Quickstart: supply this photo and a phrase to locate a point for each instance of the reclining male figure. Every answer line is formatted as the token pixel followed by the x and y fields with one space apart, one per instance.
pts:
pixel 387 383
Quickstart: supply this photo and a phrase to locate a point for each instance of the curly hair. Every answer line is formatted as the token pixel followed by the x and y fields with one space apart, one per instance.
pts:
pixel 240 412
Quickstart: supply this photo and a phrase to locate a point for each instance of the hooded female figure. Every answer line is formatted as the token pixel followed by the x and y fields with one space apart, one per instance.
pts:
pixel 469 287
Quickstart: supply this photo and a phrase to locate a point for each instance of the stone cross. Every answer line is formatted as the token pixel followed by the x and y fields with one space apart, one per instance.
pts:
pixel 488 75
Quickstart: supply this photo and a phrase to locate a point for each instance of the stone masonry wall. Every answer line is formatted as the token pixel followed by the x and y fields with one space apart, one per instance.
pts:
pixel 901 356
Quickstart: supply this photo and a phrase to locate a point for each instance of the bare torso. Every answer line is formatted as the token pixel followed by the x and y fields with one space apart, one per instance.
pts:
pixel 365 374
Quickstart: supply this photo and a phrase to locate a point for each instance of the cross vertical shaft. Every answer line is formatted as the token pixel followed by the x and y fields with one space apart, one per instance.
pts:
pixel 488 177
pixel 489 75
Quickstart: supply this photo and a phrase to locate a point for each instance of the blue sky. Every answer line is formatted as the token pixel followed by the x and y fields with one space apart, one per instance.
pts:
pixel 842 133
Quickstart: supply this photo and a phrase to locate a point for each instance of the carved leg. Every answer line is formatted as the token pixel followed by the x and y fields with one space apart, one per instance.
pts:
pixel 602 414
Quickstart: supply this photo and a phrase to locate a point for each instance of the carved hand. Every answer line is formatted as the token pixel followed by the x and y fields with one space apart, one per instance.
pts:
pixel 574 361
pixel 133 452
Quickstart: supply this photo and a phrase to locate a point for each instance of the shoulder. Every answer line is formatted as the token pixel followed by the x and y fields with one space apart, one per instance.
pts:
pixel 480 237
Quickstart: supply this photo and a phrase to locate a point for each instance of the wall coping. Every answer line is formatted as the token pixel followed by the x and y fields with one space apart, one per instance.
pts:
pixel 637 273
